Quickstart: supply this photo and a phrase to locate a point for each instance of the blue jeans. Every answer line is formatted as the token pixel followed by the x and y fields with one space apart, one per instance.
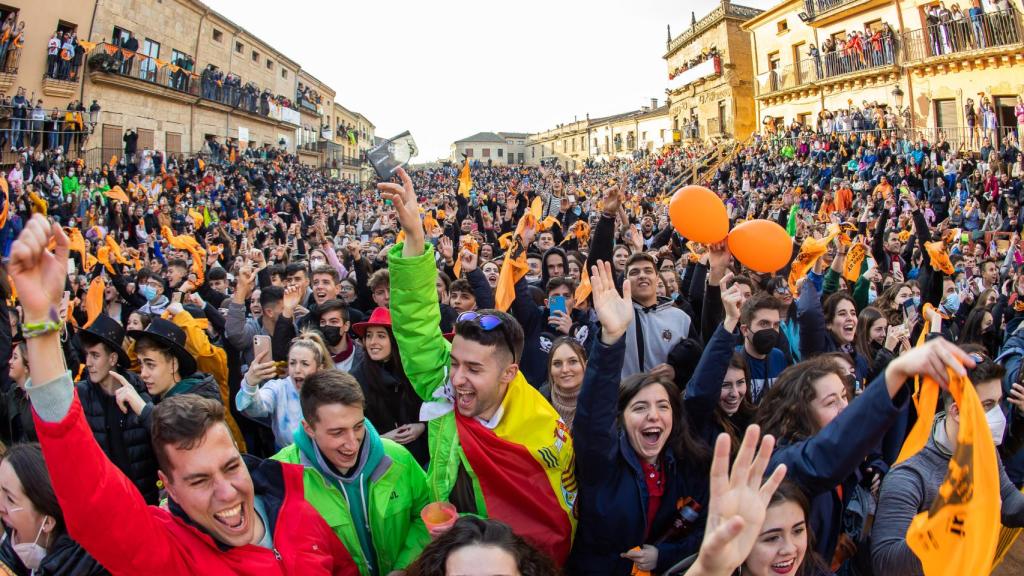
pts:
pixel 16 132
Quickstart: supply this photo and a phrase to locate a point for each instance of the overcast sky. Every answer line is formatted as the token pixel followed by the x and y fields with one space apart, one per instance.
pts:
pixel 447 70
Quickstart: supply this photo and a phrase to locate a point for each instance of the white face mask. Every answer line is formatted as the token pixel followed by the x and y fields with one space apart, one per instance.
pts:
pixel 996 423
pixel 31 554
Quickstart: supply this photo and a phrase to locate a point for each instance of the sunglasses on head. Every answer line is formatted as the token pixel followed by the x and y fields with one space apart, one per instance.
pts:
pixel 487 323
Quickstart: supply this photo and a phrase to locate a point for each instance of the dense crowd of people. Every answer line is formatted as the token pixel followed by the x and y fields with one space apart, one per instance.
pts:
pixel 238 364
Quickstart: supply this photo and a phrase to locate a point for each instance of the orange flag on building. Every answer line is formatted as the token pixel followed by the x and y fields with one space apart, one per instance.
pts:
pixel 959 532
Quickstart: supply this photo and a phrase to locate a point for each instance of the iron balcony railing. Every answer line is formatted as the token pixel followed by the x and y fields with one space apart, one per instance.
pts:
pixel 963 35
pixel 880 53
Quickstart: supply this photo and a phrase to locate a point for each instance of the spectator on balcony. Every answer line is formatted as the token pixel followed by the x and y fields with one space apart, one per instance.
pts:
pixel 816 56
pixel 131 44
pixel 971 118
pixel 53 55
pixel 6 34
pixel 960 28
pixel 828 54
pixel 945 20
pixel 53 127
pixel 76 61
pixel 38 117
pixel 67 54
pixel 990 122
pixel 19 118
pixel 131 142
pixel 977 15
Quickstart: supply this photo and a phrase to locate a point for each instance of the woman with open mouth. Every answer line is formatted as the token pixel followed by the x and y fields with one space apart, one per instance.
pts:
pixel 717 398
pixel 785 545
pixel 263 396
pixel 632 441
pixel 829 445
pixel 829 326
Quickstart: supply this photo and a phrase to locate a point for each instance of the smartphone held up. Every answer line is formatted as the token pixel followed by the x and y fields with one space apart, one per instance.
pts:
pixel 392 154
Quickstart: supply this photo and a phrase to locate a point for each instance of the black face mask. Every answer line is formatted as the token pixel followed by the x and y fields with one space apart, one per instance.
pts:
pixel 764 340
pixel 332 335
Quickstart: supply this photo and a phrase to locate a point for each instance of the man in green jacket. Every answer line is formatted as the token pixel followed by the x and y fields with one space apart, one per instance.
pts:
pixel 497 447
pixel 370 490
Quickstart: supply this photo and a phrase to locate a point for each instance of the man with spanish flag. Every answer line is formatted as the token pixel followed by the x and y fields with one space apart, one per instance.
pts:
pixel 497 448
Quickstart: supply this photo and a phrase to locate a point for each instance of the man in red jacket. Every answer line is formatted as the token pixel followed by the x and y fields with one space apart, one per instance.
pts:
pixel 227 514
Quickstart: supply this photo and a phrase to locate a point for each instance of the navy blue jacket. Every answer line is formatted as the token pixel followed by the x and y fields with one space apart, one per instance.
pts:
pixel 612 499
pixel 538 335
pixel 705 388
pixel 833 456
pixel 815 337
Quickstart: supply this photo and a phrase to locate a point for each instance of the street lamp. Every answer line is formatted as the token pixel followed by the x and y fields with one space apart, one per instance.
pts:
pixel 901 111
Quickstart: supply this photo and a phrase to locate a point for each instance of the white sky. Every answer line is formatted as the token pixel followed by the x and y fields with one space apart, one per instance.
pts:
pixel 447 70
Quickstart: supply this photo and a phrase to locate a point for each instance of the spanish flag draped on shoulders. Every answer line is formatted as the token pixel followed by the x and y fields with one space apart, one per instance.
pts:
pixel 519 465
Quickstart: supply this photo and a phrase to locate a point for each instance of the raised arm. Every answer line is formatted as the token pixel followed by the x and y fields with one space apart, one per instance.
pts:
pixel 822 461
pixel 704 389
pixel 415 312
pixel 594 430
pixel 92 491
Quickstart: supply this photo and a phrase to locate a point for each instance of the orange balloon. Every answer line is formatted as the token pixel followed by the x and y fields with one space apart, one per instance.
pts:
pixel 699 215
pixel 761 245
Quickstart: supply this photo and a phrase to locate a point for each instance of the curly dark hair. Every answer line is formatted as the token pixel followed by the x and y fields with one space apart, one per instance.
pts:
pixel 470 531
pixel 785 411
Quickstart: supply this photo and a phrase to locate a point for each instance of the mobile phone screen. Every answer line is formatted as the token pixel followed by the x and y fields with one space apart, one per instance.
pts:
pixel 557 304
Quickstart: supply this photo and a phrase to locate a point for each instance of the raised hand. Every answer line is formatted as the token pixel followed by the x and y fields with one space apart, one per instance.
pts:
pixel 930 359
pixel 291 300
pixel 408 209
pixel 246 284
pixel 127 397
pixel 261 370
pixel 738 504
pixel 615 312
pixel 39 275
pixel 731 298
pixel 444 246
pixel 611 200
pixel 469 261
pixel 719 259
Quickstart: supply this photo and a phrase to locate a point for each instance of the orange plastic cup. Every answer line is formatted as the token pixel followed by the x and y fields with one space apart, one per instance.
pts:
pixel 439 516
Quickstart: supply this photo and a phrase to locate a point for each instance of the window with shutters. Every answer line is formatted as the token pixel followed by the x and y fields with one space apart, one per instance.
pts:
pixel 172 144
pixel 112 143
pixel 145 138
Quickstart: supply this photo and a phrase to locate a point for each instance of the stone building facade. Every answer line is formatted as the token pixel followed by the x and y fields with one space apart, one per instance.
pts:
pixel 709 76
pixel 195 77
pixel 926 74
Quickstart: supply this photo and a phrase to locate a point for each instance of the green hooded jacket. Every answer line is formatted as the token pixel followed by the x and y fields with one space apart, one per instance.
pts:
pixel 416 317
pixel 395 493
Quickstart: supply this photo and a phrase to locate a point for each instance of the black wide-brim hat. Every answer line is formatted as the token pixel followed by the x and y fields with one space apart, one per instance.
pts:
pixel 167 333
pixel 107 330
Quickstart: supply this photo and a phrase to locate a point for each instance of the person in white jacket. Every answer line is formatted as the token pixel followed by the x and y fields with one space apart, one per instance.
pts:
pixel 263 396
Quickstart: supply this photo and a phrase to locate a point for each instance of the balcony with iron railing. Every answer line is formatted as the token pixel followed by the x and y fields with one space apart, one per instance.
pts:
pixel 830 67
pixel 110 63
pixel 967 36
pixel 816 8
